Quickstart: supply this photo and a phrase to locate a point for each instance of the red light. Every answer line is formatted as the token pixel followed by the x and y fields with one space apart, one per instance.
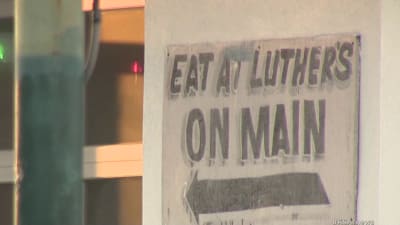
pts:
pixel 136 67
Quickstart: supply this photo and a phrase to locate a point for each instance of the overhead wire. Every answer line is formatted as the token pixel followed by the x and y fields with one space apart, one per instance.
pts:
pixel 94 40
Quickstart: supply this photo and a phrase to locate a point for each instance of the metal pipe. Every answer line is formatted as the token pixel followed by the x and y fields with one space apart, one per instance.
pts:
pixel 49 112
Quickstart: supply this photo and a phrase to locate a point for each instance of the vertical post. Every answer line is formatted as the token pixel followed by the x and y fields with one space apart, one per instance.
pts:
pixel 49 112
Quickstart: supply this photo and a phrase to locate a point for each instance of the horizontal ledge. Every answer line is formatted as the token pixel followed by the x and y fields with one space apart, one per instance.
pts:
pixel 113 4
pixel 104 161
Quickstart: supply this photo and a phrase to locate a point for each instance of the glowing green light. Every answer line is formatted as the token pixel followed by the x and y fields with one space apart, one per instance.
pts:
pixel 2 53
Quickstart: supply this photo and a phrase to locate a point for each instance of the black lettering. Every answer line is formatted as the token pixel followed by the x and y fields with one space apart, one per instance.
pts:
pixel 295 134
pixel 314 64
pixel 271 81
pixel 175 86
pixel 329 60
pixel 312 129
pixel 195 117
pixel 254 81
pixel 205 59
pixel 286 54
pixel 223 82
pixel 248 131
pixel 280 136
pixel 299 67
pixel 192 77
pixel 345 49
pixel 222 128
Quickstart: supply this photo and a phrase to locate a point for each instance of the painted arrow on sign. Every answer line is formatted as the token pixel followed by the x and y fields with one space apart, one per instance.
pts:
pixel 230 195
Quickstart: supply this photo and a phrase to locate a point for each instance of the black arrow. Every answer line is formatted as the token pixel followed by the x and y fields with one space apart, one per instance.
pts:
pixel 229 195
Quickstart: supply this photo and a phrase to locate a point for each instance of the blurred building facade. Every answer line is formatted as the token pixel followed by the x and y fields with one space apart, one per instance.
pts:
pixel 114 104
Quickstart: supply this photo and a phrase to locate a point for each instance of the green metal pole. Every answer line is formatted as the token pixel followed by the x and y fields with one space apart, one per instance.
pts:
pixel 49 112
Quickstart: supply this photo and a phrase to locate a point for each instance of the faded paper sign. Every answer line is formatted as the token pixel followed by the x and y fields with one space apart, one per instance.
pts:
pixel 261 132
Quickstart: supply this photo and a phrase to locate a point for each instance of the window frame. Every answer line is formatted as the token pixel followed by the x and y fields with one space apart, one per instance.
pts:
pixel 103 161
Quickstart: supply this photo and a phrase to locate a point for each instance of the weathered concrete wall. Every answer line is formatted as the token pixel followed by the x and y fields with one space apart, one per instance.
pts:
pixel 182 22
